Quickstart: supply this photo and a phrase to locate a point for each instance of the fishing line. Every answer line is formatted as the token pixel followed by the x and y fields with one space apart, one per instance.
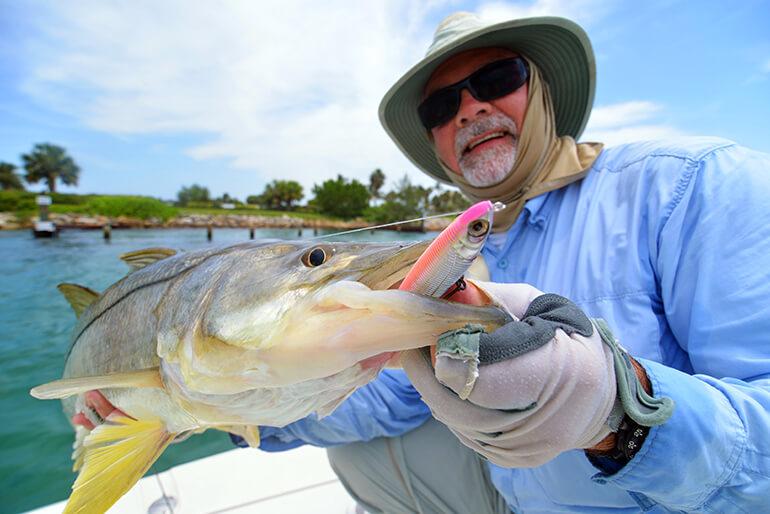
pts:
pixel 374 227
pixel 497 205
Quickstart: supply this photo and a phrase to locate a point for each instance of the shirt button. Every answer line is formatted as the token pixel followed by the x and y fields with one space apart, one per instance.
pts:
pixel 502 263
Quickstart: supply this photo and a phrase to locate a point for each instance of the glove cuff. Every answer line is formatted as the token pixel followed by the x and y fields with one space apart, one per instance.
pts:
pixel 643 408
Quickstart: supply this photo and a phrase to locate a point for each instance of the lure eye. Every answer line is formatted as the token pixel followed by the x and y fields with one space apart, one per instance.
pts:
pixel 478 228
pixel 315 257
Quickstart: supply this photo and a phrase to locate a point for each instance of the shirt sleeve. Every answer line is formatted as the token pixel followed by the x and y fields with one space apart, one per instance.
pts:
pixel 713 266
pixel 387 407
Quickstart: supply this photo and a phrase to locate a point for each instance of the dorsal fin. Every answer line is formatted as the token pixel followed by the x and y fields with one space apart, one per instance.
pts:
pixel 141 258
pixel 79 297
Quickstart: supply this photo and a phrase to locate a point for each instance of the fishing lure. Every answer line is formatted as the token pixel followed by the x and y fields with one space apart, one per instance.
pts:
pixel 451 253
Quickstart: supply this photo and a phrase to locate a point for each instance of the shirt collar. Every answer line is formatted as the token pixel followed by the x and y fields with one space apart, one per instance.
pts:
pixel 538 209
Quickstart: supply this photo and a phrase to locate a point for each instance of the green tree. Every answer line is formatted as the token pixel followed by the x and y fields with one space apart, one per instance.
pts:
pixel 376 181
pixel 8 177
pixel 450 200
pixel 50 162
pixel 341 197
pixel 253 199
pixel 406 201
pixel 281 195
pixel 226 198
pixel 193 193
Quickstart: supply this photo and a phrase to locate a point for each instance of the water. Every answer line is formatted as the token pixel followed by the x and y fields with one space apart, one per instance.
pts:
pixel 36 321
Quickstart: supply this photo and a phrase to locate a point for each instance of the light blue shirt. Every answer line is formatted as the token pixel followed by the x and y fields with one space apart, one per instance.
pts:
pixel 669 242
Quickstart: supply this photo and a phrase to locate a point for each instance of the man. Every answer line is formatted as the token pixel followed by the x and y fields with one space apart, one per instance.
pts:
pixel 667 242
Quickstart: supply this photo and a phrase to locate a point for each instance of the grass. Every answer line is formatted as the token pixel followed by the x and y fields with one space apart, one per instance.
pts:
pixel 23 204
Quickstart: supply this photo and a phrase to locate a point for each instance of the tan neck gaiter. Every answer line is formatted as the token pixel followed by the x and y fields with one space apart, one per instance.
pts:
pixel 544 162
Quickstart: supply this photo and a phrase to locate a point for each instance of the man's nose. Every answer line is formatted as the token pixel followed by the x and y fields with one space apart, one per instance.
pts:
pixel 470 109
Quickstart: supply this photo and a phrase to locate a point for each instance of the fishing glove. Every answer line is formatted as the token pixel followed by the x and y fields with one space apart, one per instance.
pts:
pixel 550 381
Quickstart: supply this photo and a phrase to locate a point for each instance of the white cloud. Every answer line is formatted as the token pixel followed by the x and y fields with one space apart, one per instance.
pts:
pixel 627 121
pixel 286 89
pixel 766 66
pixel 583 12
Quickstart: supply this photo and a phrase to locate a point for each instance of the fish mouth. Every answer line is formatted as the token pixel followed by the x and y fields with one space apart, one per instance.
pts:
pixel 390 276
pixel 389 272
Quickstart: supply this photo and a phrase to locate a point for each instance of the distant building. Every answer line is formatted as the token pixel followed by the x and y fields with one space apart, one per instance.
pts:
pixel 228 206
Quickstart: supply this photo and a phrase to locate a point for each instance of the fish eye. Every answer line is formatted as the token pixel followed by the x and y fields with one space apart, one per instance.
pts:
pixel 315 257
pixel 478 228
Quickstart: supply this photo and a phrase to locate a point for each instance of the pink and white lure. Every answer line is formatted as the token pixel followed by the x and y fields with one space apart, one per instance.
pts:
pixel 451 253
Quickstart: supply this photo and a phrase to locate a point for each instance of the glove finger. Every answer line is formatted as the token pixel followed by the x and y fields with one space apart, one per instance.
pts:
pixel 444 403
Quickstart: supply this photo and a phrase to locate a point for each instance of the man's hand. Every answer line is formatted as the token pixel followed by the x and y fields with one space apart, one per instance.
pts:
pixel 100 405
pixel 539 387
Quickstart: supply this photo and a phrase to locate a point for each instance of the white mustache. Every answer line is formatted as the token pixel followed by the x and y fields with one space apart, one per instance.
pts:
pixel 490 123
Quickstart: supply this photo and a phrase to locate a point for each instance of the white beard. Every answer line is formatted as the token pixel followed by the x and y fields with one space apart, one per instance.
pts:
pixel 489 167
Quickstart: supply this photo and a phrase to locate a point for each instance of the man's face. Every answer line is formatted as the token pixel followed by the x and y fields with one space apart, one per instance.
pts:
pixel 481 141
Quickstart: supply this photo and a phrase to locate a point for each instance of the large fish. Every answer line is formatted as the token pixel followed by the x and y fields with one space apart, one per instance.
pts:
pixel 232 338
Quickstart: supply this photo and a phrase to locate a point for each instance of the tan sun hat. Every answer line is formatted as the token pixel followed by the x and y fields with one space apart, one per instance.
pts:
pixel 559 48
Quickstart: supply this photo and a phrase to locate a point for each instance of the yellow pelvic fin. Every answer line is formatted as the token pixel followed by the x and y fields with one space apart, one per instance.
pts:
pixel 79 297
pixel 141 258
pixel 115 456
pixel 68 386
pixel 250 433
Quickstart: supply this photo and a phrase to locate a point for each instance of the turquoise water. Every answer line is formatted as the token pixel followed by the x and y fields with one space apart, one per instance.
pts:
pixel 36 321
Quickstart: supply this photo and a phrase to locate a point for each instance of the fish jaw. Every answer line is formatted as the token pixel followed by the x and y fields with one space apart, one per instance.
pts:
pixel 338 327
pixel 347 324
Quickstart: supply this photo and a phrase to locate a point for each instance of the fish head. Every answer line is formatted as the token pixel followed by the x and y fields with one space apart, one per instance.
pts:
pixel 277 314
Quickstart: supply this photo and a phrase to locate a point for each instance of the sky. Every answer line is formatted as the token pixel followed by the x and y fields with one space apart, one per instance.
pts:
pixel 150 96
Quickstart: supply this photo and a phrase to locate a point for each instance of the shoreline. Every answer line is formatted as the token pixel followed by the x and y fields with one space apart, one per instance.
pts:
pixel 9 221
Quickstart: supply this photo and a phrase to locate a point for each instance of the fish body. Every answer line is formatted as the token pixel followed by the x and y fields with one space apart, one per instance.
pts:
pixel 232 338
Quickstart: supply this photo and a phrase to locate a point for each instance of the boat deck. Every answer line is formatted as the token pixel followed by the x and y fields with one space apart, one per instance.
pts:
pixel 238 482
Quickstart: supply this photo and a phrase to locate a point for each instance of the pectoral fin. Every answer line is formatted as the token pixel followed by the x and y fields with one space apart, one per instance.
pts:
pixel 115 456
pixel 249 433
pixel 69 386
pixel 330 407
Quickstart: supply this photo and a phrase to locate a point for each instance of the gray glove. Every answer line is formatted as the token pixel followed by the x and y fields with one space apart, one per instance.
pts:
pixel 532 389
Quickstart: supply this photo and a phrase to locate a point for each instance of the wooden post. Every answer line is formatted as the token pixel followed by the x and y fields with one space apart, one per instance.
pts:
pixel 299 232
pixel 251 233
pixel 209 232
pixel 107 232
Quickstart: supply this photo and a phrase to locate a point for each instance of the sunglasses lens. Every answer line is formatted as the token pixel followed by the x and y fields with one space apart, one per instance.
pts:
pixel 498 79
pixel 493 81
pixel 439 108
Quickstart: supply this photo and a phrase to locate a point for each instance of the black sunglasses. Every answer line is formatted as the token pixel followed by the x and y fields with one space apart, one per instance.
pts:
pixel 493 81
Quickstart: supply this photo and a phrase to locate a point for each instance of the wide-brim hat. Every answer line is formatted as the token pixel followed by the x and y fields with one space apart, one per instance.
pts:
pixel 557 46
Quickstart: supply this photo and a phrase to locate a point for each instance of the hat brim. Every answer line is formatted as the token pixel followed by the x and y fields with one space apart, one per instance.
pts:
pixel 560 49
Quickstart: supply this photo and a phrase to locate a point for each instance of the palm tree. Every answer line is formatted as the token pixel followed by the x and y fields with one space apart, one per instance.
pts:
pixel 49 162
pixel 8 177
pixel 376 181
